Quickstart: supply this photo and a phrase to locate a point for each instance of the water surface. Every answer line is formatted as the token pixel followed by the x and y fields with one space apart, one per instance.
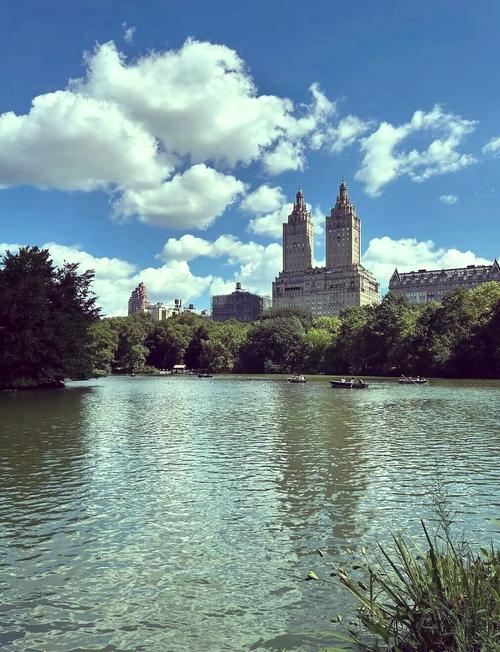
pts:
pixel 183 513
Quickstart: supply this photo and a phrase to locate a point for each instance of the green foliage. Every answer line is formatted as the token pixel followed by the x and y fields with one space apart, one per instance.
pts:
pixel 102 344
pixel 303 315
pixel 166 343
pixel 274 346
pixel 445 598
pixel 45 316
pixel 221 349
pixel 460 337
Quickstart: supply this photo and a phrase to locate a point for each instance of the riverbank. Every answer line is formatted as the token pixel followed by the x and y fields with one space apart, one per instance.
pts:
pixel 23 385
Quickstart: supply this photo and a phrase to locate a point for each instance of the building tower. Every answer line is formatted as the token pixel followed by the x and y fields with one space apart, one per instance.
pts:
pixel 298 237
pixel 343 233
pixel 138 301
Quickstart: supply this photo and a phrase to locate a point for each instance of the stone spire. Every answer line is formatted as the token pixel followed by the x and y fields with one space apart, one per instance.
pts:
pixel 300 212
pixel 343 196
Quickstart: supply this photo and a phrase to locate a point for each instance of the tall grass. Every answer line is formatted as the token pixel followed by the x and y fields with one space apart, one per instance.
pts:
pixel 443 596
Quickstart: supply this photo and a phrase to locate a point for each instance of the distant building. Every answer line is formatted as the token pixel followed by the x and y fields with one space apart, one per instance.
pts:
pixel 424 286
pixel 240 304
pixel 159 311
pixel 138 301
pixel 343 282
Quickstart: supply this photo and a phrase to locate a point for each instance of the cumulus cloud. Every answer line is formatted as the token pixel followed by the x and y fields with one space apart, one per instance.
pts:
pixel 448 199
pixel 116 278
pixel 271 224
pixel 128 127
pixel 200 101
pixel 383 162
pixel 408 254
pixel 346 132
pixel 285 156
pixel 271 210
pixel 492 147
pixel 264 200
pixel 194 198
pixel 257 264
pixel 70 142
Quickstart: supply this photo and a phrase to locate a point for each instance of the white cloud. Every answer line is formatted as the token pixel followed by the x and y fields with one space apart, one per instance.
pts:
pixel 408 254
pixel 193 199
pixel 492 147
pixel 448 199
pixel 127 127
pixel 258 264
pixel 346 132
pixel 128 33
pixel 285 156
pixel 382 163
pixel 264 200
pixel 116 278
pixel 71 142
pixel 104 267
pixel 200 101
pixel 271 210
pixel 271 225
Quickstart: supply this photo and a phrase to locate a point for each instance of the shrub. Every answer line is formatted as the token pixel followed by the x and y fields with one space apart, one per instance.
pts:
pixel 446 597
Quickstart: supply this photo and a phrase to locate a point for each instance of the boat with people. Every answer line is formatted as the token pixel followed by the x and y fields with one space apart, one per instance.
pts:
pixel 297 378
pixel 204 375
pixel 352 383
pixel 409 380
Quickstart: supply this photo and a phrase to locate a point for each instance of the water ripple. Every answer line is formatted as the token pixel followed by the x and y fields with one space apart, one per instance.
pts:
pixel 176 514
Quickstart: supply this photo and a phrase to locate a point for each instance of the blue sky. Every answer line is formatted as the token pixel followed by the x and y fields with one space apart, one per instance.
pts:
pixel 164 142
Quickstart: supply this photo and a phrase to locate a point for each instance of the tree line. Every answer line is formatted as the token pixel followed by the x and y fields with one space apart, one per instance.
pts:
pixel 459 337
pixel 51 330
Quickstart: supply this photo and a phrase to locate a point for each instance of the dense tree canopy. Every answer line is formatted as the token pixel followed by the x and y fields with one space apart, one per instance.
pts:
pixel 459 337
pixel 45 317
pixel 50 330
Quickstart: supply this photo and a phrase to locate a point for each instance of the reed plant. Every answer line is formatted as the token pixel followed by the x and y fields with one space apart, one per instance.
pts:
pixel 436 597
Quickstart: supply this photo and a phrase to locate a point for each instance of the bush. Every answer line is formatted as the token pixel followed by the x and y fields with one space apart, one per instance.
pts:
pixel 444 598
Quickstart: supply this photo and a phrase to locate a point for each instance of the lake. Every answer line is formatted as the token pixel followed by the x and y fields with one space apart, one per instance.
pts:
pixel 177 513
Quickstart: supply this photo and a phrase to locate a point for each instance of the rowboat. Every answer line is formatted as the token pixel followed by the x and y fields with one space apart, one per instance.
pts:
pixel 352 383
pixel 299 378
pixel 405 380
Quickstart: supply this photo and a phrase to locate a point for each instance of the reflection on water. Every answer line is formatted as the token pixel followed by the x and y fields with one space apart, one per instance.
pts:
pixel 179 514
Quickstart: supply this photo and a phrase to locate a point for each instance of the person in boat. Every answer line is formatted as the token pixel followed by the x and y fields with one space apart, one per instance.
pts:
pixel 342 380
pixel 361 381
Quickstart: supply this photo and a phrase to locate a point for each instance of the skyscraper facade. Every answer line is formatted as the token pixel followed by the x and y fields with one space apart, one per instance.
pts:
pixel 425 285
pixel 138 301
pixel 343 282
pixel 240 304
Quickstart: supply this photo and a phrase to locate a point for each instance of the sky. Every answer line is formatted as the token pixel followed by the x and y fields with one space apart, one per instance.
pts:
pixel 164 141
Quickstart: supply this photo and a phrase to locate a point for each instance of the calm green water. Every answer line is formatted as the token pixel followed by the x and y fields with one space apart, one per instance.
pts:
pixel 182 514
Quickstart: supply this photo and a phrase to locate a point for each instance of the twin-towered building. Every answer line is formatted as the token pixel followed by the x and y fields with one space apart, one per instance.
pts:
pixel 343 282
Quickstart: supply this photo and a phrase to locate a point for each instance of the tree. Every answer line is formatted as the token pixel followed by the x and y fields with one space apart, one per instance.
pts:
pixel 103 342
pixel 45 316
pixel 221 349
pixel 386 334
pixel 132 332
pixel 166 343
pixel 274 346
pixel 345 354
